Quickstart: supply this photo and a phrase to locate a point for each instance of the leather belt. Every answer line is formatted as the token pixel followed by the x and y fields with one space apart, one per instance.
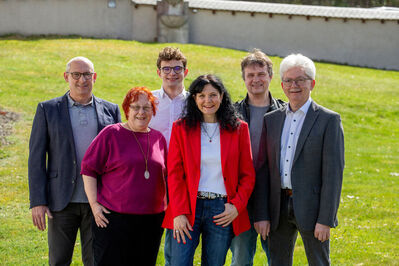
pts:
pixel 210 195
pixel 286 191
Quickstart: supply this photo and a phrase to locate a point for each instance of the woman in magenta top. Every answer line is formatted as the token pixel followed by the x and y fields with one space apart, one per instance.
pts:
pixel 124 173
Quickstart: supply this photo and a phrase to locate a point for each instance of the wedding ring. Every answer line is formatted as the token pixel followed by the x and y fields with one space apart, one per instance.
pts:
pixel 177 231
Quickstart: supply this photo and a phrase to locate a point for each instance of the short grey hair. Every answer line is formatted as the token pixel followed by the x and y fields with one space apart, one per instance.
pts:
pixel 79 58
pixel 298 60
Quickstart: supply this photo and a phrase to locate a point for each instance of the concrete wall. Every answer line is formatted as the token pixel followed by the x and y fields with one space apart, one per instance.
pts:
pixel 372 44
pixel 65 17
pixel 144 23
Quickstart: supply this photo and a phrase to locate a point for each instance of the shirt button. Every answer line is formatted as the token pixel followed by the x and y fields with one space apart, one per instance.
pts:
pixel 294 120
pixel 289 147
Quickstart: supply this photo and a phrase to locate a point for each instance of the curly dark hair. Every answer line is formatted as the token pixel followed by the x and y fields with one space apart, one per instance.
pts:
pixel 226 115
pixel 170 53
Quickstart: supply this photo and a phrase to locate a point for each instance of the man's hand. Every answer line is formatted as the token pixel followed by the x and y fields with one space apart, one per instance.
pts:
pixel 226 217
pixel 322 232
pixel 39 216
pixel 262 228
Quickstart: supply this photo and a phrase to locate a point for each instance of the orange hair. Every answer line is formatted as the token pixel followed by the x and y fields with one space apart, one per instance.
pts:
pixel 133 95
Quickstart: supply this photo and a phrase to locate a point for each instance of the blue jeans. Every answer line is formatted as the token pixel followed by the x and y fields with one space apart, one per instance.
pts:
pixel 215 238
pixel 168 247
pixel 243 248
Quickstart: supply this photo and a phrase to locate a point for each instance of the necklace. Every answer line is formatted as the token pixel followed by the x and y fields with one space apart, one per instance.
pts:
pixel 146 173
pixel 206 132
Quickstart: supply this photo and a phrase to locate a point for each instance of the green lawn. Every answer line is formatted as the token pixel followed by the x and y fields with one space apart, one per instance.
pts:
pixel 31 70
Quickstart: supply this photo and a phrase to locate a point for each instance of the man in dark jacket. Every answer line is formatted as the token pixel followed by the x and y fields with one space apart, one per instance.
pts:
pixel 300 169
pixel 257 72
pixel 62 130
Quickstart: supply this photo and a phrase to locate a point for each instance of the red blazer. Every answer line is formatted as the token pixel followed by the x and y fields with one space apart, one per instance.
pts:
pixel 184 161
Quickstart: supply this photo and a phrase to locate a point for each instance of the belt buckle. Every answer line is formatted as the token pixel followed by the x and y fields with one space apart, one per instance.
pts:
pixel 207 195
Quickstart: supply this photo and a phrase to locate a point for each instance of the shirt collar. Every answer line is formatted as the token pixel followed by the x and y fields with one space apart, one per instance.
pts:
pixel 182 95
pixel 72 103
pixel 304 108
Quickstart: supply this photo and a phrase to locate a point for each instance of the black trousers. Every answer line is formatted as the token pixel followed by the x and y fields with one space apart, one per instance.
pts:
pixel 282 241
pixel 62 231
pixel 128 239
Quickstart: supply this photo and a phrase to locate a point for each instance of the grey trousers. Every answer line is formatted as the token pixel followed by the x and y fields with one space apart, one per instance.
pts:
pixel 62 231
pixel 282 241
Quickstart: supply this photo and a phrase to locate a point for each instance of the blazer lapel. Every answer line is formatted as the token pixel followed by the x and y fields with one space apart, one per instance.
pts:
pixel 225 145
pixel 194 139
pixel 100 113
pixel 66 120
pixel 277 131
pixel 307 126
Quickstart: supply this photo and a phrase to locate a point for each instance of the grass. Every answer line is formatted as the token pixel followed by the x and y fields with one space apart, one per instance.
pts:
pixel 31 71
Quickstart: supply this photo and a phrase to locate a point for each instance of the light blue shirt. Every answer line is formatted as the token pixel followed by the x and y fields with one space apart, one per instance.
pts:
pixel 85 128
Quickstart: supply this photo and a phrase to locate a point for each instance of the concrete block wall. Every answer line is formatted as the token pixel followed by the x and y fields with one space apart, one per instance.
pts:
pixel 370 43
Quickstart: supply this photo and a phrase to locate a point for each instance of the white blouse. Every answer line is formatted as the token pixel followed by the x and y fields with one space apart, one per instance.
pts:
pixel 211 179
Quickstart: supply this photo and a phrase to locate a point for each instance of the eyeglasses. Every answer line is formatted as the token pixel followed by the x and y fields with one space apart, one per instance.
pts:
pixel 168 69
pixel 301 81
pixel 137 108
pixel 77 75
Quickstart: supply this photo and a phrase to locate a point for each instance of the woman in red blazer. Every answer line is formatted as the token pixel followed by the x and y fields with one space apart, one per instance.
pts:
pixel 210 175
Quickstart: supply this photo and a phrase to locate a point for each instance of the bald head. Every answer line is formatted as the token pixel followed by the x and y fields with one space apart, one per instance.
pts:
pixel 79 59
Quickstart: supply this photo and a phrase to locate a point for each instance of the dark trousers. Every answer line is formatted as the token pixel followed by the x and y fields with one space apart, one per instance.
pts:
pixel 62 231
pixel 128 239
pixel 282 241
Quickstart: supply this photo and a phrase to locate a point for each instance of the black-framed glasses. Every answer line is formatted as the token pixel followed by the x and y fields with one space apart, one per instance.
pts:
pixel 301 81
pixel 77 75
pixel 168 69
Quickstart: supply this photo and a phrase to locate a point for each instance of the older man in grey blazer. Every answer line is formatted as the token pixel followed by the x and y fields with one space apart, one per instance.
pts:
pixel 301 163
pixel 62 130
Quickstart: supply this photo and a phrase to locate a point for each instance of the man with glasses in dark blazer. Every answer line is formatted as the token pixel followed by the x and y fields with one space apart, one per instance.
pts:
pixel 62 130
pixel 300 176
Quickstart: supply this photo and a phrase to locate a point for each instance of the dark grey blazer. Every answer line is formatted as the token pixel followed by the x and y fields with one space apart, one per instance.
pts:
pixel 52 163
pixel 316 174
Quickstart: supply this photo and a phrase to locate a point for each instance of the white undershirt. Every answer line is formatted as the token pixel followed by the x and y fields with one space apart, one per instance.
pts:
pixel 211 179
pixel 292 128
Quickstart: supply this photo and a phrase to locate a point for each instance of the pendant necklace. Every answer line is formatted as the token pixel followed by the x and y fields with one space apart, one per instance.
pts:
pixel 146 173
pixel 206 132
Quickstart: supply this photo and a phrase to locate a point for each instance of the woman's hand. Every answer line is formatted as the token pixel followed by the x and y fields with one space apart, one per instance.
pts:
pixel 226 217
pixel 98 211
pixel 181 227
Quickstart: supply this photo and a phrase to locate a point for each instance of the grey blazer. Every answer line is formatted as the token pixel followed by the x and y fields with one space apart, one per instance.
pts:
pixel 52 167
pixel 316 174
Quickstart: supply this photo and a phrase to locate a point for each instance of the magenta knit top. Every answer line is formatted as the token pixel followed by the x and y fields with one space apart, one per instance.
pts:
pixel 115 159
